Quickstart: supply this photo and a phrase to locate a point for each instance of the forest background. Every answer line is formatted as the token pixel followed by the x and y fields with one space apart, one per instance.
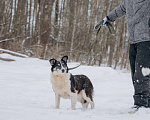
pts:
pixel 52 28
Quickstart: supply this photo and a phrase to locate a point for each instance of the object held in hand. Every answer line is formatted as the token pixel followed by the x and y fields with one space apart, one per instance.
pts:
pixel 106 24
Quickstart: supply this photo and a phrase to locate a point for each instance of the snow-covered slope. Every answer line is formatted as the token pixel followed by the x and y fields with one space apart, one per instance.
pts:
pixel 26 93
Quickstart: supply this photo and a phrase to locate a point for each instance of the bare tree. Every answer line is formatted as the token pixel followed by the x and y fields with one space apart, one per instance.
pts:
pixel 53 28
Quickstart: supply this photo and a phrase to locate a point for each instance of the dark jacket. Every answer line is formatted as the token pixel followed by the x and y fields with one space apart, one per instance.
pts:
pixel 138 19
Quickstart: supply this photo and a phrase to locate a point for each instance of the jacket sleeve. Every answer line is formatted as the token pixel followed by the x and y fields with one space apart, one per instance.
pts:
pixel 118 12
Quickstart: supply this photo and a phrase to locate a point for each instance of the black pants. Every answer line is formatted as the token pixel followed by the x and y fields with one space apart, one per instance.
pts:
pixel 139 55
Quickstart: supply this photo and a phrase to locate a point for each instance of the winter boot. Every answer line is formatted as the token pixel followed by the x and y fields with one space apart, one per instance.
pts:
pixel 134 109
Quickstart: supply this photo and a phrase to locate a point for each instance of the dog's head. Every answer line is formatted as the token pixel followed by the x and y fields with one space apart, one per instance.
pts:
pixel 59 67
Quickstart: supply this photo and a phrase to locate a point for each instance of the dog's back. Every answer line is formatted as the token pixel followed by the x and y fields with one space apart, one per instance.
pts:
pixel 84 89
pixel 84 83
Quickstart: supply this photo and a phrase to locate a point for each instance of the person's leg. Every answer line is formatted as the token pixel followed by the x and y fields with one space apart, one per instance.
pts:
pixel 141 77
pixel 132 58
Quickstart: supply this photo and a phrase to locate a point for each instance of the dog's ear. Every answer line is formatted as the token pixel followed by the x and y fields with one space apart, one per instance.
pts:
pixel 52 61
pixel 65 58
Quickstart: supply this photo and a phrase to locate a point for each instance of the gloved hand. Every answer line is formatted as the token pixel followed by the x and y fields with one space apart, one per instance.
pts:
pixel 104 21
pixel 107 23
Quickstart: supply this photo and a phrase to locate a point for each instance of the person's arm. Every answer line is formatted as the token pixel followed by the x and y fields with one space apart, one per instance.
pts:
pixel 118 12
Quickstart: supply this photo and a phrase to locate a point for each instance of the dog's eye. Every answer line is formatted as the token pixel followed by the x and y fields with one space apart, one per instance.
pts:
pixel 58 66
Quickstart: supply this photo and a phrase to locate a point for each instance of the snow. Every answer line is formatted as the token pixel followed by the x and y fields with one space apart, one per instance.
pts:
pixel 145 71
pixel 26 93
pixel 11 52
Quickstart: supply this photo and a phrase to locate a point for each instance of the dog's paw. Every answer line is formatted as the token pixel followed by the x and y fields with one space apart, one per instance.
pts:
pixel 56 107
pixel 73 108
pixel 92 105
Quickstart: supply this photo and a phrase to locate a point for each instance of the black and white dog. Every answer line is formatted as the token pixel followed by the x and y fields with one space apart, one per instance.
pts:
pixel 77 87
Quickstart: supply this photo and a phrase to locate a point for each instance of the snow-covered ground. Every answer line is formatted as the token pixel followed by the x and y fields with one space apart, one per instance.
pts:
pixel 26 93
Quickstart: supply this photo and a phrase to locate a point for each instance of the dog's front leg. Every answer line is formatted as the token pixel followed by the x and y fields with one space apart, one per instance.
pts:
pixel 73 100
pixel 57 101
